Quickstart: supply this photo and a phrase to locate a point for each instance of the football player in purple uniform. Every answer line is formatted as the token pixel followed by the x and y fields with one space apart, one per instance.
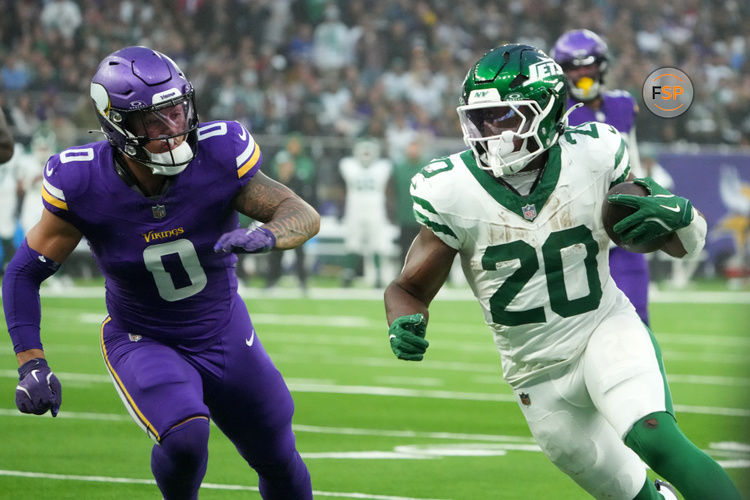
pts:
pixel 584 58
pixel 157 202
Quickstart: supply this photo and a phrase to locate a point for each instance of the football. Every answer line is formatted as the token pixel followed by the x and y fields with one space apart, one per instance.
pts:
pixel 612 213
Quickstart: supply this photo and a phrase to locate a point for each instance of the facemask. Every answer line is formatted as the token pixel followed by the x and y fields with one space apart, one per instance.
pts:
pixel 502 158
pixel 171 162
pixel 585 89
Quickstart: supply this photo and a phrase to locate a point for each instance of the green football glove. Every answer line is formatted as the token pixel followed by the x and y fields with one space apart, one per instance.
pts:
pixel 407 337
pixel 657 214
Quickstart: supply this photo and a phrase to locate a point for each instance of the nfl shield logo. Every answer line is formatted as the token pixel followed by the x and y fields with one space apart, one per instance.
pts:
pixel 159 211
pixel 525 399
pixel 134 338
pixel 529 211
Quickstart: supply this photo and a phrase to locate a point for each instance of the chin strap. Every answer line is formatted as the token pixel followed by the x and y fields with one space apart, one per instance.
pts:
pixel 563 123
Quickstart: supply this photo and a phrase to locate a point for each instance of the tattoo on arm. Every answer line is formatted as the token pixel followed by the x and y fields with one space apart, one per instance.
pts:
pixel 285 214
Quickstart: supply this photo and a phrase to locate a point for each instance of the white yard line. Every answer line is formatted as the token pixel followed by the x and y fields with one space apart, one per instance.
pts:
pixel 459 294
pixel 325 387
pixel 208 486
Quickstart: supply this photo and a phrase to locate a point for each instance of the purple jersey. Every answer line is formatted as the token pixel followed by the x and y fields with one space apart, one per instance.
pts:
pixel 618 109
pixel 163 279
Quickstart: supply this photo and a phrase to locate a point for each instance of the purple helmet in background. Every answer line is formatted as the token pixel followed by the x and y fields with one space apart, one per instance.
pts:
pixel 577 49
pixel 140 95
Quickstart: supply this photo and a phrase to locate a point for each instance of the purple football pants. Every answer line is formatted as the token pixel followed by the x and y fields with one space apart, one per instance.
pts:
pixel 630 272
pixel 230 379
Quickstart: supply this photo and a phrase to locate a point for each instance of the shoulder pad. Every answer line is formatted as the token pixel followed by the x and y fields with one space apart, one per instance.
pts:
pixel 67 174
pixel 231 138
pixel 599 142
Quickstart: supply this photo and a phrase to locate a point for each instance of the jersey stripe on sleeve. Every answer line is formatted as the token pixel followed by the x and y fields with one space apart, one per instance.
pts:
pixel 53 195
pixel 248 158
pixel 622 163
pixel 435 226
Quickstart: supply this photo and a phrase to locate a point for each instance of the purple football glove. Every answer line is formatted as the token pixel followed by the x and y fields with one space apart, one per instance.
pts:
pixel 243 240
pixel 38 389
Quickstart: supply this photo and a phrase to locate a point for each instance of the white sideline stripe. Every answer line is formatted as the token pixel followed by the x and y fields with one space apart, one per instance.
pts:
pixel 459 294
pixel 709 380
pixel 713 410
pixel 208 486
pixel 398 392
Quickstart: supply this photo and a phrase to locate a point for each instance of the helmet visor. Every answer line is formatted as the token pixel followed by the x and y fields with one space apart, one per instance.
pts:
pixel 482 122
pixel 172 118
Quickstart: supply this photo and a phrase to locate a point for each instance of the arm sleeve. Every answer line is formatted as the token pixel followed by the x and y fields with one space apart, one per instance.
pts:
pixel 23 310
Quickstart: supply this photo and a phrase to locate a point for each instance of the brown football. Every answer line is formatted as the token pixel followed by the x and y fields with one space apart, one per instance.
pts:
pixel 612 213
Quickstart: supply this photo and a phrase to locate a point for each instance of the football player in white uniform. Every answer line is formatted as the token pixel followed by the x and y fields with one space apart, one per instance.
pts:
pixel 522 208
pixel 366 176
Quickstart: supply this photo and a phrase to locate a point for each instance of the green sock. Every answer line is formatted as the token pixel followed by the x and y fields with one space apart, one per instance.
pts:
pixel 662 445
pixel 648 492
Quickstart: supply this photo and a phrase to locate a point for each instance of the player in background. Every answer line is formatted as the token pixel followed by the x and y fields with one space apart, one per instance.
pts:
pixel 584 58
pixel 6 139
pixel 157 202
pixel 8 188
pixel 522 208
pixel 366 176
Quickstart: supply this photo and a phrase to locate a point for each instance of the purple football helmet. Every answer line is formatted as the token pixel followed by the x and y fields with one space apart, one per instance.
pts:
pixel 140 96
pixel 582 49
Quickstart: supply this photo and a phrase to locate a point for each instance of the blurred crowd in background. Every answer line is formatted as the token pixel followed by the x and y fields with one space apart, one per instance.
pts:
pixel 364 67
pixel 327 72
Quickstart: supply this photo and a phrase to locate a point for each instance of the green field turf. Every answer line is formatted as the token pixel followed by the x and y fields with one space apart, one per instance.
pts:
pixel 368 425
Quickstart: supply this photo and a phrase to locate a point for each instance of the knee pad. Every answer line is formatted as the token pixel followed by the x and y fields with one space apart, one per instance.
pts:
pixel 187 444
pixel 656 437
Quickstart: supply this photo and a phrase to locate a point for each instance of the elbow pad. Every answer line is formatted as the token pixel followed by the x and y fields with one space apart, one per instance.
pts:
pixel 23 310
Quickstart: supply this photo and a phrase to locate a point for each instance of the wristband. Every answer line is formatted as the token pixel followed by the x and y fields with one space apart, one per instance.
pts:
pixel 32 364
pixel 693 236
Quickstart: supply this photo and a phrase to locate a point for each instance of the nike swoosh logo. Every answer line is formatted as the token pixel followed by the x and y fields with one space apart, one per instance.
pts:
pixel 48 170
pixel 251 340
pixel 672 209
pixel 33 374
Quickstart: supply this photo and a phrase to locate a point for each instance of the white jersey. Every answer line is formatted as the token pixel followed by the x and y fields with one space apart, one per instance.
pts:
pixel 8 195
pixel 538 264
pixel 365 187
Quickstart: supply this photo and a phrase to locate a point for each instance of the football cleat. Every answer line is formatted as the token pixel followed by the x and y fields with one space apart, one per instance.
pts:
pixel 666 490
